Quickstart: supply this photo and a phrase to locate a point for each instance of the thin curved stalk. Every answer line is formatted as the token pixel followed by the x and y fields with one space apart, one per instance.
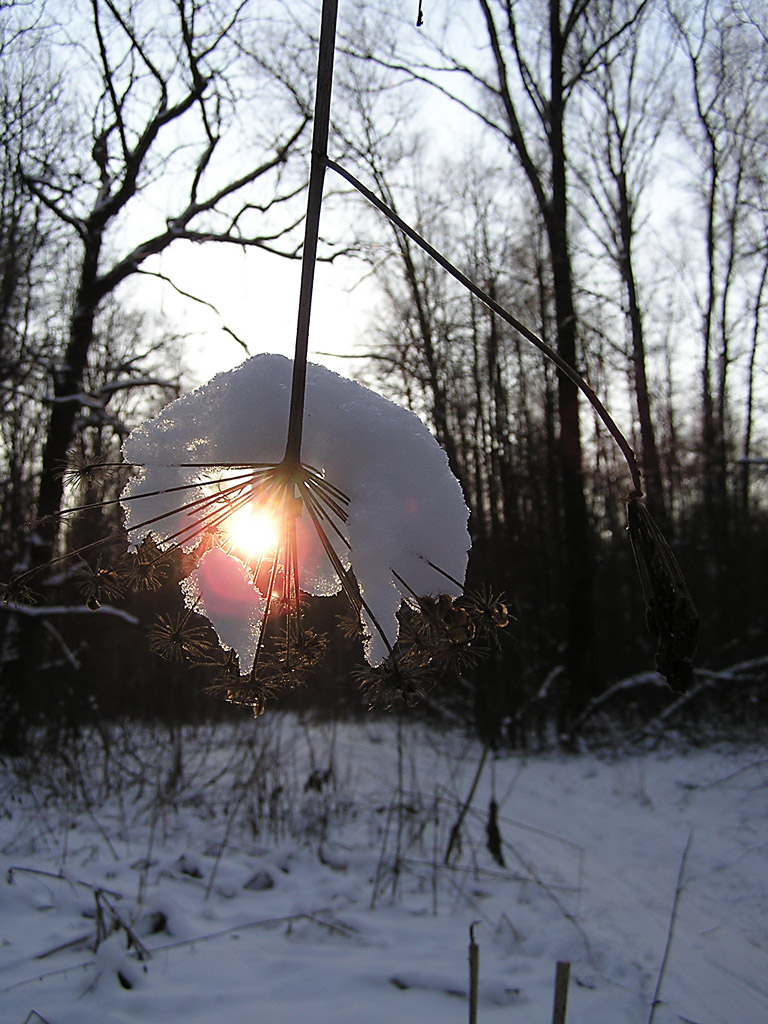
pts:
pixel 526 332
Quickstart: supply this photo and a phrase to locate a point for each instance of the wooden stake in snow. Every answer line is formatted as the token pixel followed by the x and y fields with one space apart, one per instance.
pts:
pixel 474 973
pixel 562 976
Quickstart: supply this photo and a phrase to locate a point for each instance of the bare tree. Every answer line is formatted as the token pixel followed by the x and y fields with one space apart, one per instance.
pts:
pixel 32 255
pixel 128 126
pixel 161 90
pixel 624 110
pixel 527 66
pixel 727 131
pixel 757 331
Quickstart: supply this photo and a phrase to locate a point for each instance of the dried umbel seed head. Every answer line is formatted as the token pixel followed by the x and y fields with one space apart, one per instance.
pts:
pixel 246 690
pixel 350 625
pixel 176 638
pixel 488 611
pixel 395 681
pixel 145 569
pixel 17 591
pixel 83 471
pixel 441 637
pixel 300 646
pixel 98 582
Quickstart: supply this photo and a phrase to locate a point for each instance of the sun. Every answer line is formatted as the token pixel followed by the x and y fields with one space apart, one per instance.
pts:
pixel 252 531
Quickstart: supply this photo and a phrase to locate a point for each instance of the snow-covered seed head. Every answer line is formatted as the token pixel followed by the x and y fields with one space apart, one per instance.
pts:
pixel 371 510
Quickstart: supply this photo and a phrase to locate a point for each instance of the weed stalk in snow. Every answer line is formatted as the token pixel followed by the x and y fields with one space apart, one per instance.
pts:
pixel 671 929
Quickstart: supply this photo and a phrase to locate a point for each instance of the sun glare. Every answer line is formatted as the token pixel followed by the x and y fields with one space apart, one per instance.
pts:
pixel 252 532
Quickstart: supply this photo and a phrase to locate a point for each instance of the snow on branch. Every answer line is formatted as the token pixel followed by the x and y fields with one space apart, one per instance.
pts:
pixel 46 611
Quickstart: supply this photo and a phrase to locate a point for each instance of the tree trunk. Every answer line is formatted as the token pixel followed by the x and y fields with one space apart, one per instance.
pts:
pixel 67 384
pixel 580 658
pixel 651 464
pixel 746 448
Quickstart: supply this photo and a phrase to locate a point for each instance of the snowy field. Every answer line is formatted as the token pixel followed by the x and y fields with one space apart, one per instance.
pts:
pixel 292 873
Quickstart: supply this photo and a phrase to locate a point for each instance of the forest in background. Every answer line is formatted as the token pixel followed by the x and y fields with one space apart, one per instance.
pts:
pixel 599 168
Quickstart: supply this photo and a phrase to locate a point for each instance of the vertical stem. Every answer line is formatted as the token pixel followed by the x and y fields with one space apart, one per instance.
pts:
pixel 671 929
pixel 320 128
pixel 456 830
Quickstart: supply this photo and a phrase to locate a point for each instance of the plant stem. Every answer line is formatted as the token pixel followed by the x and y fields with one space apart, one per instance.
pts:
pixel 455 831
pixel 527 333
pixel 671 929
pixel 322 115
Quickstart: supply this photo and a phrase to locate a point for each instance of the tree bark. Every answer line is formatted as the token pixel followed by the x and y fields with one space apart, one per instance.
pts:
pixel 67 383
pixel 581 658
pixel 649 450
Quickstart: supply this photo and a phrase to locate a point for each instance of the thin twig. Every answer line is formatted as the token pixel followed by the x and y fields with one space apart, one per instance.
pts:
pixel 16 869
pixel 526 332
pixel 454 836
pixel 334 926
pixel 202 302
pixel 244 792
pixel 671 929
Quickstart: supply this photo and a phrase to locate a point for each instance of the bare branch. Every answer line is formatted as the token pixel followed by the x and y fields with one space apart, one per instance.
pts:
pixel 515 135
pixel 178 229
pixel 588 63
pixel 196 298
pixel 109 84
pixel 35 186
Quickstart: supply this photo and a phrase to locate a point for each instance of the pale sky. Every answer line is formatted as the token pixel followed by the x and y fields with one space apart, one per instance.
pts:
pixel 256 294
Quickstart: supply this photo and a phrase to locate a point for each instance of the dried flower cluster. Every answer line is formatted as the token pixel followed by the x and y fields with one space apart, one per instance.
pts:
pixel 439 638
pixel 670 613
pixel 439 635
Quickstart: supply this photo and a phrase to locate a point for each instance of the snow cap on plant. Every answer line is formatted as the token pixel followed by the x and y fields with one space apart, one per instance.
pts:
pixel 373 508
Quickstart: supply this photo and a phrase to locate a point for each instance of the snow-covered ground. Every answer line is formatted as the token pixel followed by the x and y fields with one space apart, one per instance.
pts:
pixel 283 872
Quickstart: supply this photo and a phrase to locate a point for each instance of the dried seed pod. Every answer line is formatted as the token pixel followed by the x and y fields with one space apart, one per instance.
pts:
pixel 669 608
pixel 493 834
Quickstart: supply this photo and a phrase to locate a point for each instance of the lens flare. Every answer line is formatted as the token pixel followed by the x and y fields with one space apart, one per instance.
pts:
pixel 252 531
